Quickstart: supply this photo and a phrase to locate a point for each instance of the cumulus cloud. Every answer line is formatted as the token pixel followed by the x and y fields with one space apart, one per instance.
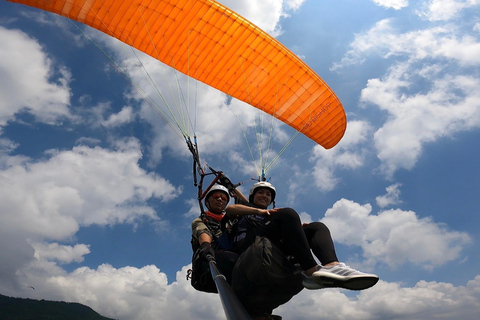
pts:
pixel 436 10
pixel 124 116
pixel 394 237
pixel 216 126
pixel 477 27
pixel 348 154
pixel 192 212
pixel 363 43
pixel 50 199
pixel 392 197
pixel 394 4
pixel 305 217
pixel 125 293
pixel 60 253
pixel 265 14
pixel 442 42
pixel 7 146
pixel 41 90
pixel 428 92
pixel 449 106
pixel 143 293
pixel 426 300
pixel 84 185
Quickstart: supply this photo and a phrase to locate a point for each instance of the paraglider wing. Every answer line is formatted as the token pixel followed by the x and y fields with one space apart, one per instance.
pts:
pixel 215 45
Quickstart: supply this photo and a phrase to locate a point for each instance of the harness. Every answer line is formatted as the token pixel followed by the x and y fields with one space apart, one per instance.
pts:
pixel 199 174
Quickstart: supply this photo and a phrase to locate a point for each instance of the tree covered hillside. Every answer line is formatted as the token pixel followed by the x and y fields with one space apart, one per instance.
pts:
pixel 28 309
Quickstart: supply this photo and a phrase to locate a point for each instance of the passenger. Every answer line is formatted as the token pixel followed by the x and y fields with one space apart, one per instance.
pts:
pixel 284 228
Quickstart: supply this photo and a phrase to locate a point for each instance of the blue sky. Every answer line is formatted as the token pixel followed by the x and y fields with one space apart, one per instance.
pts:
pixel 97 193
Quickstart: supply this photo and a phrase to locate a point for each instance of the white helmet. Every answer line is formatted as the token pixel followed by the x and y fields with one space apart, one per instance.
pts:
pixel 261 184
pixel 217 188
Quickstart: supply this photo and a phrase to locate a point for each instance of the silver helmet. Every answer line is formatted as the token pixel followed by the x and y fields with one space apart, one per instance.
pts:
pixel 262 184
pixel 216 188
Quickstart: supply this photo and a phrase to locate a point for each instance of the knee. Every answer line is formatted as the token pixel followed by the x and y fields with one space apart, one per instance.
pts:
pixel 319 226
pixel 288 214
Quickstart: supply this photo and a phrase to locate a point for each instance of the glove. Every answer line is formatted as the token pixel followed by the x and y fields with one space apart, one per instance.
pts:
pixel 206 249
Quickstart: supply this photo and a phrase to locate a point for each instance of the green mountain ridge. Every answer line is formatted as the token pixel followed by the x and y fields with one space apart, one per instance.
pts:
pixel 29 309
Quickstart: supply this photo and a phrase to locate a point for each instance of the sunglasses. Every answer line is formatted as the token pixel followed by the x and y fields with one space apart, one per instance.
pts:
pixel 219 195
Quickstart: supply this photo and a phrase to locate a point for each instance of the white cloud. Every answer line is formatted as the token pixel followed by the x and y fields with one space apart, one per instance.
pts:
pixel 6 145
pixel 216 126
pixel 394 4
pixel 436 10
pixel 449 106
pixel 16 254
pixel 445 42
pixel 391 198
pixel 348 154
pixel 61 253
pixel 293 4
pixel 305 217
pixel 115 292
pixel 49 199
pixel 40 89
pixel 88 141
pixel 143 293
pixel 428 92
pixel 124 116
pixel 394 237
pixel 192 212
pixel 82 186
pixel 373 40
pixel 125 293
pixel 265 14
pixel 426 300
pixel 477 27
pixel 101 115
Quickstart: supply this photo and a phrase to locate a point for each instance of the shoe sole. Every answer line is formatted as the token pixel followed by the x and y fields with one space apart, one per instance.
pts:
pixel 270 317
pixel 357 283
pixel 313 286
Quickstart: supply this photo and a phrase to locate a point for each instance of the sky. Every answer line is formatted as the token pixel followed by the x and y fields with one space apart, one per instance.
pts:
pixel 97 194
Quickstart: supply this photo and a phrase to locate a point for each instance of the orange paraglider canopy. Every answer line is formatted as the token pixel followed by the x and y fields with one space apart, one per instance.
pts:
pixel 215 45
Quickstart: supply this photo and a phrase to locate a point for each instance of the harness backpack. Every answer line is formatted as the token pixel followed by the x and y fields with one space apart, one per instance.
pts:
pixel 265 278
pixel 201 277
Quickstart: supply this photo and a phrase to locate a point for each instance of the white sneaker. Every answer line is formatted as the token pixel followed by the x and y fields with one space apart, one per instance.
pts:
pixel 312 283
pixel 342 276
